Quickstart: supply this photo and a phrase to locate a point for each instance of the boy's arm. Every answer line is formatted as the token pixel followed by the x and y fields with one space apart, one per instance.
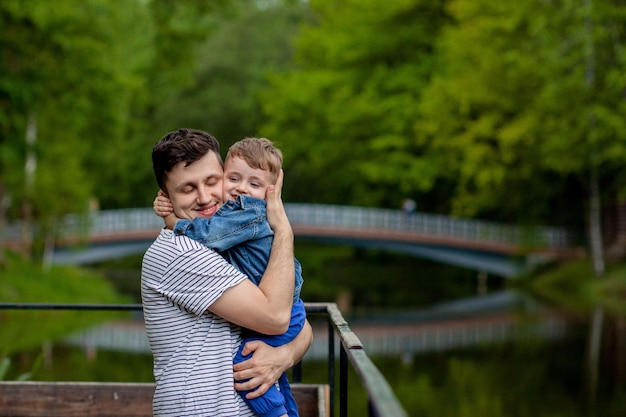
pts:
pixel 266 308
pixel 229 227
pixel 163 208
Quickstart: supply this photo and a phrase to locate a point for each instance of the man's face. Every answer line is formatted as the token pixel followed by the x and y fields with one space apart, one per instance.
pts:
pixel 196 190
pixel 240 178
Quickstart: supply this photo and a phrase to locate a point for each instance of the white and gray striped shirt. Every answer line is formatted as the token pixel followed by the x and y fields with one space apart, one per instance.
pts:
pixel 193 349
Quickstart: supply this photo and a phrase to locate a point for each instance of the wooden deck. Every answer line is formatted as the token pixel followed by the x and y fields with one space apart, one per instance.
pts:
pixel 112 399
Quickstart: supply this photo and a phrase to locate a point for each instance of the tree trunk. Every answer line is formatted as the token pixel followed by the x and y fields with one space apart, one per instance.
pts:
pixel 30 168
pixel 595 344
pixel 597 256
pixel 3 225
pixel 595 216
pixel 595 225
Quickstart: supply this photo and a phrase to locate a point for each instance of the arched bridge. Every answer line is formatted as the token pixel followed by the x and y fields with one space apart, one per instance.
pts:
pixel 498 249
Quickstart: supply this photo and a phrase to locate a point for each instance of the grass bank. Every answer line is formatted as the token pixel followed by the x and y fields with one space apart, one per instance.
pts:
pixel 574 287
pixel 25 281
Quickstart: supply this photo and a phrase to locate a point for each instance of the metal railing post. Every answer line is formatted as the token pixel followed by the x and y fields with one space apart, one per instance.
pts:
pixel 331 365
pixel 343 382
pixel 296 373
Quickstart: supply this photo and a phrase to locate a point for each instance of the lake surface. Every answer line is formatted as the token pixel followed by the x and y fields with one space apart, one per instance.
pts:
pixel 540 366
pixel 444 350
pixel 502 354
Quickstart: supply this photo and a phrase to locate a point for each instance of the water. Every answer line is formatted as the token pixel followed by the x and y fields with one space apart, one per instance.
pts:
pixel 532 375
pixel 444 350
pixel 537 364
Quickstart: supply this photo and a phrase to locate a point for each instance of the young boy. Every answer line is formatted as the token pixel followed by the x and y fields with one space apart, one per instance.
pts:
pixel 240 232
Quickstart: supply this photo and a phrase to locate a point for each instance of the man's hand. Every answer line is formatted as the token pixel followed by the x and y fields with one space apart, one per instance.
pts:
pixel 276 215
pixel 263 369
pixel 268 363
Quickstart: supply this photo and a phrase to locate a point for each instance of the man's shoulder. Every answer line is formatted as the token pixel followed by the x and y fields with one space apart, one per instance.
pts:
pixel 169 240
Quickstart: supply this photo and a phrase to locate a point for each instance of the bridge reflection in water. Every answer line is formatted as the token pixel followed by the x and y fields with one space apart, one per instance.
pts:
pixel 454 325
pixel 497 249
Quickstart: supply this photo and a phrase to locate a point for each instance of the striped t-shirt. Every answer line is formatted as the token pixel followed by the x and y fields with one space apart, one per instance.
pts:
pixel 192 348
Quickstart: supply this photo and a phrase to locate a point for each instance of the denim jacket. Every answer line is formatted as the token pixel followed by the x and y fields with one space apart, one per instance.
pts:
pixel 240 232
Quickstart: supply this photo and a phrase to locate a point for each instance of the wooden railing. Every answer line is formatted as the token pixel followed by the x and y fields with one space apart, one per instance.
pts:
pixel 95 399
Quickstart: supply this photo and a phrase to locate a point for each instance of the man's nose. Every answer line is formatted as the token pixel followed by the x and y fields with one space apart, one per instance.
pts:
pixel 204 196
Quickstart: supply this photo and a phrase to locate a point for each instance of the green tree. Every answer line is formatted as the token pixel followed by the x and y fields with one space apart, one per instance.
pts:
pixel 477 108
pixel 118 161
pixel 344 113
pixel 232 68
pixel 510 107
pixel 165 49
pixel 181 27
pixel 63 94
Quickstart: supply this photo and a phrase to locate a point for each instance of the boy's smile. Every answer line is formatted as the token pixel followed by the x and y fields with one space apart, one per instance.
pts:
pixel 241 179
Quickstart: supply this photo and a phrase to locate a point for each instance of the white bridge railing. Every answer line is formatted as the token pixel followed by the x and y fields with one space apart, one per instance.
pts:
pixel 398 221
pixel 106 222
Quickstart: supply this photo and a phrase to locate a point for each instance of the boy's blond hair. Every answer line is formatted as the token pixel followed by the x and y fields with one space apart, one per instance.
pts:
pixel 259 153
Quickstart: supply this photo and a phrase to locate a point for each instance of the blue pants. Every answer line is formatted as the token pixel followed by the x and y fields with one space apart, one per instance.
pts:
pixel 275 402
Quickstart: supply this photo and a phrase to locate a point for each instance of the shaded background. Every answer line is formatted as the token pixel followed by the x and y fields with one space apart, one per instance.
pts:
pixel 511 112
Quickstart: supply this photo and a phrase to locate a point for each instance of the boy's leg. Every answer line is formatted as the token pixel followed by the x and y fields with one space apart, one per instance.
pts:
pixel 270 404
pixel 298 317
pixel 290 402
pixel 274 402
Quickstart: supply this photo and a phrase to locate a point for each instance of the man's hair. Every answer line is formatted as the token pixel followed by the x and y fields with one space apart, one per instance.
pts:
pixel 182 145
pixel 259 153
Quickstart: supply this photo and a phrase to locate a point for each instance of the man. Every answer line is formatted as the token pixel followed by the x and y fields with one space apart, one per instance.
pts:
pixel 195 302
pixel 251 166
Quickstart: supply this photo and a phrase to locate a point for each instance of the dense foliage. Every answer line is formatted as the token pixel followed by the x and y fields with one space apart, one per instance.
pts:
pixel 470 107
pixel 507 111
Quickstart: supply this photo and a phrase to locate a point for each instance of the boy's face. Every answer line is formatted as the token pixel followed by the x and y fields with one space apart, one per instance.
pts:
pixel 196 190
pixel 240 178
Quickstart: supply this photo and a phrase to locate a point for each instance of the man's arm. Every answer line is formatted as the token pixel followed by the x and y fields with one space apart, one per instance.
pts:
pixel 268 363
pixel 266 308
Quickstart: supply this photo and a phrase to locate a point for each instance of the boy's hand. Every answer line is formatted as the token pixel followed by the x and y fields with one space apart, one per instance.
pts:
pixel 162 207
